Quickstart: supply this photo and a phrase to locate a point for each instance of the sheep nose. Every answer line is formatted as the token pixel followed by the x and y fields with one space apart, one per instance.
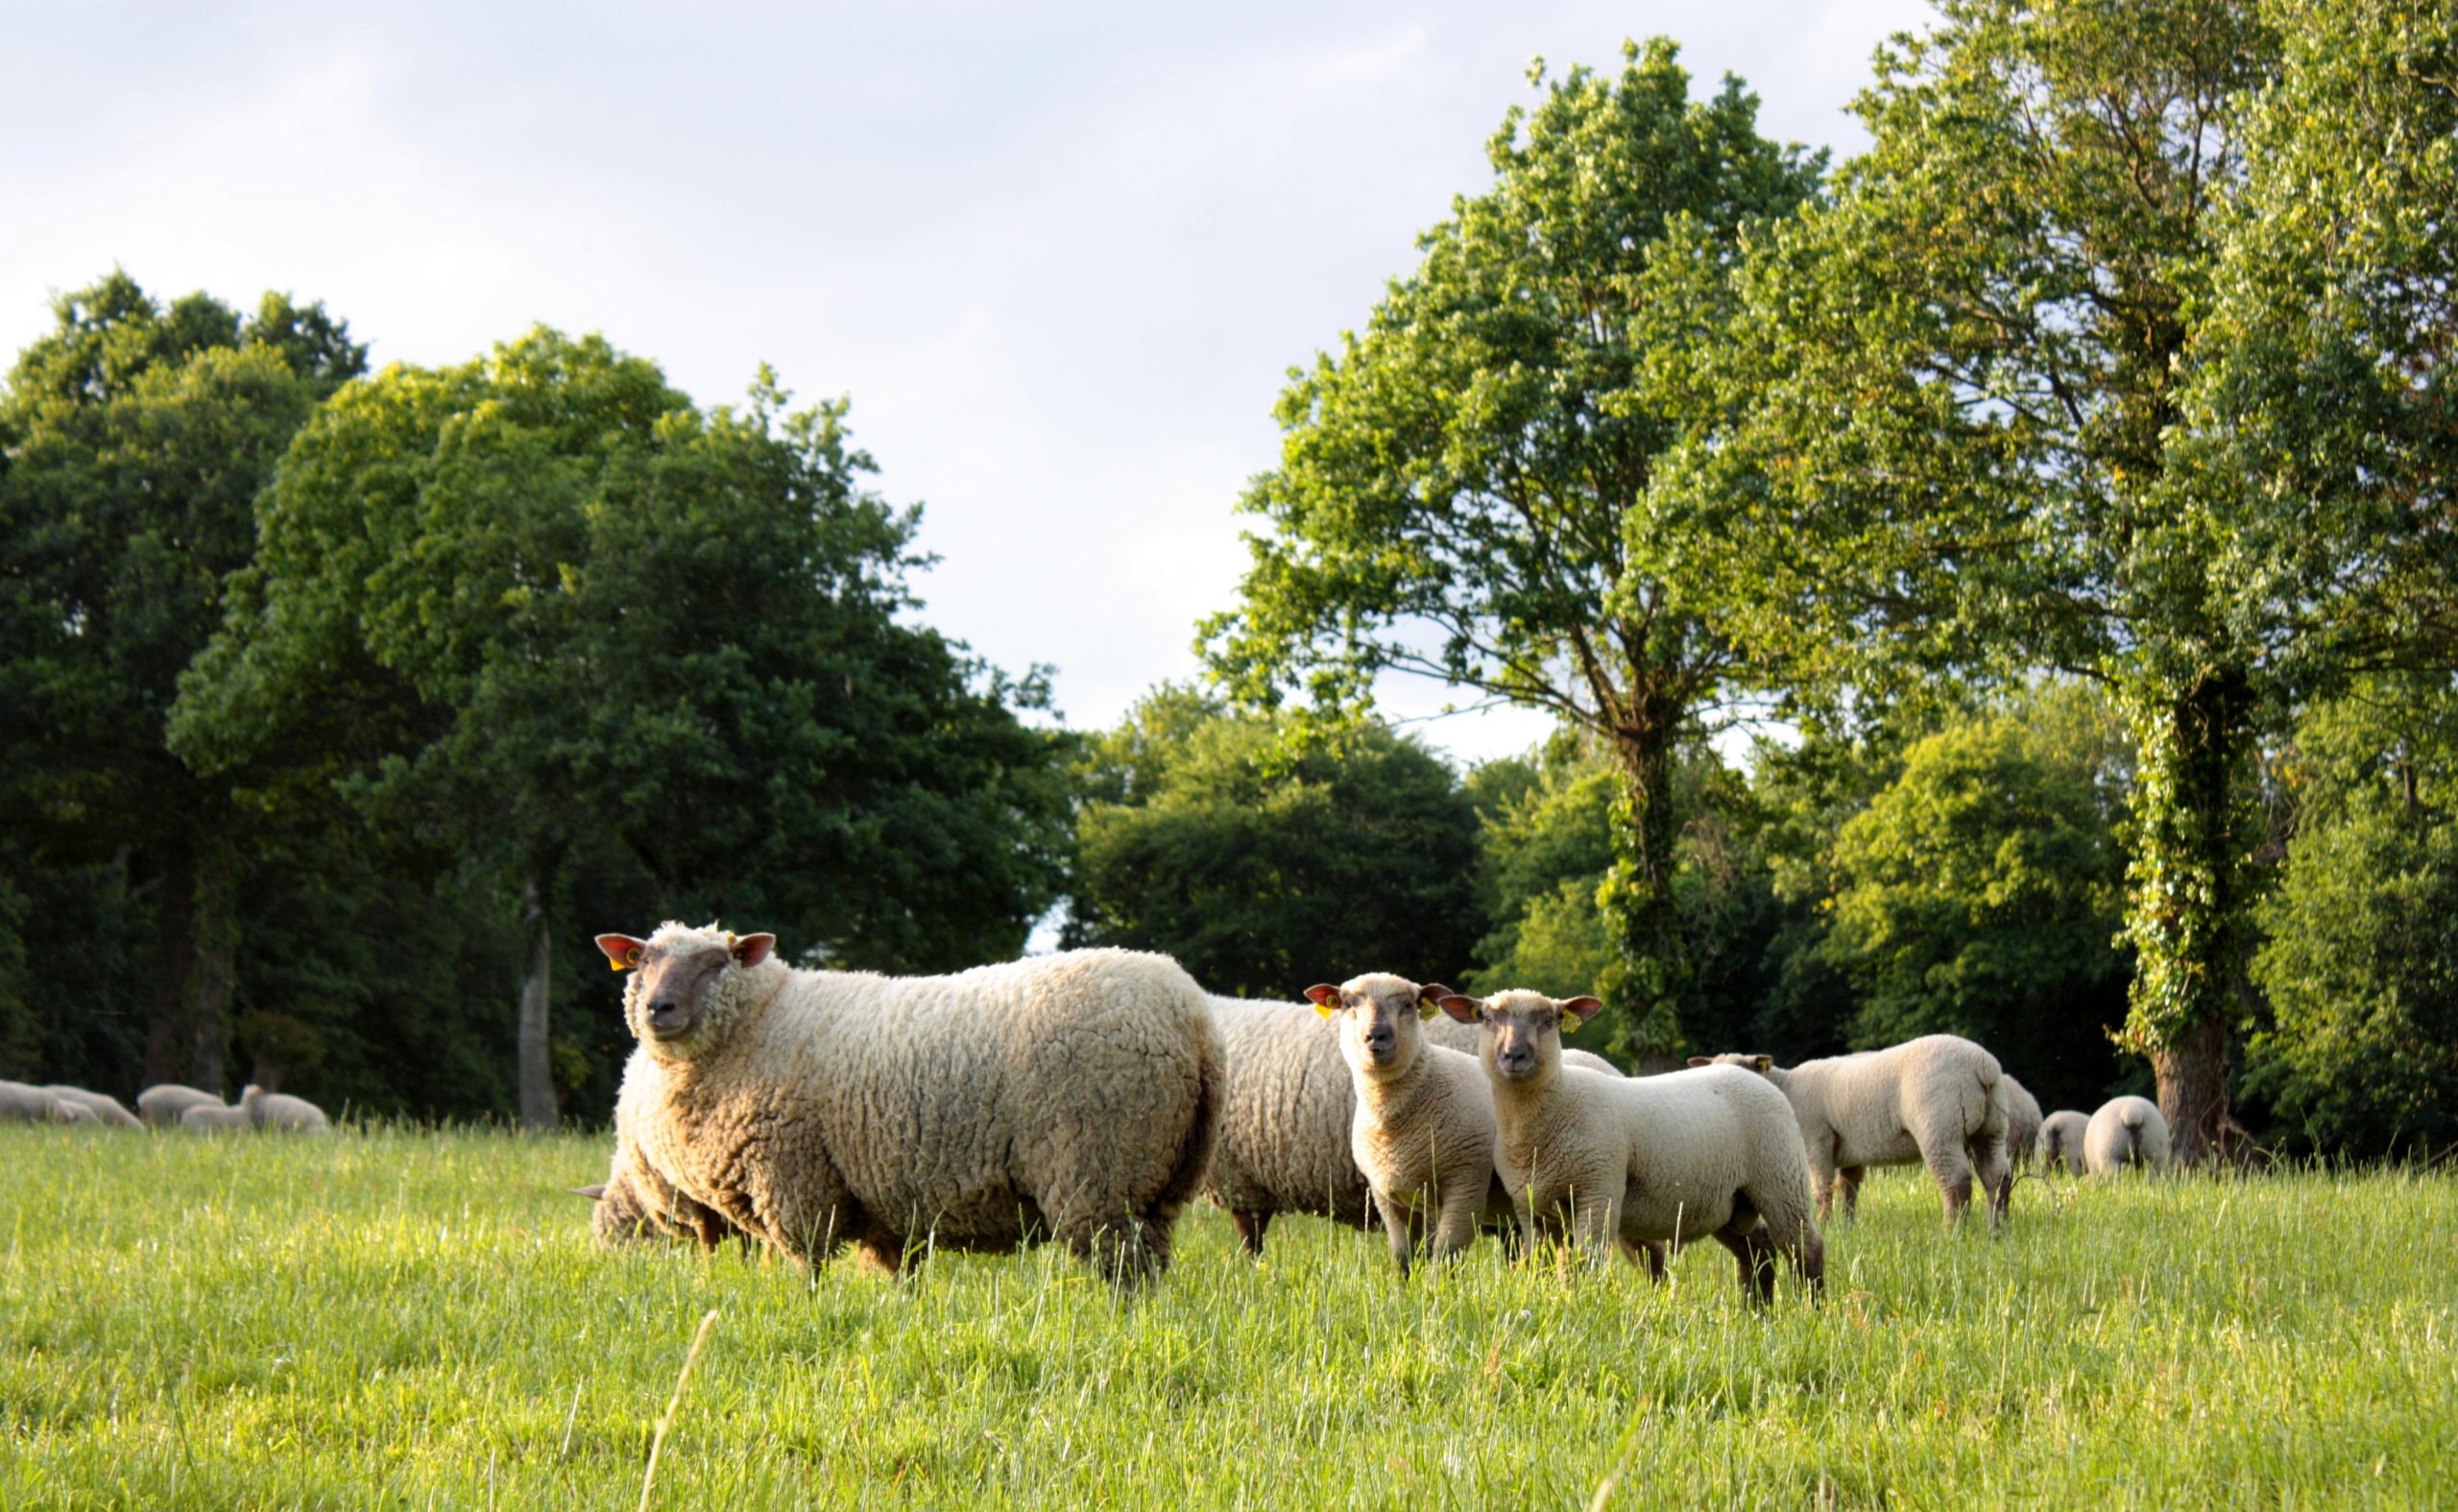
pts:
pixel 664 1011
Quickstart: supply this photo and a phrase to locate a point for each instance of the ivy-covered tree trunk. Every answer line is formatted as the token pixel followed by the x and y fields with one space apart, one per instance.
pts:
pixel 1636 898
pixel 535 1069
pixel 2188 897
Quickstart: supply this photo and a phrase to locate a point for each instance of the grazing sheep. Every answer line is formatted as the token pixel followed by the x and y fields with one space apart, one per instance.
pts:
pixel 1641 1161
pixel 1934 1099
pixel 1287 1105
pixel 2022 1121
pixel 2125 1131
pixel 2060 1142
pixel 280 1111
pixel 20 1103
pixel 213 1117
pixel 1070 1096
pixel 1423 1132
pixel 106 1108
pixel 161 1104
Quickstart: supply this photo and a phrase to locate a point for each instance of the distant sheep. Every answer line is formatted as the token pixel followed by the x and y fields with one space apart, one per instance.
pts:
pixel 161 1105
pixel 279 1111
pixel 1072 1096
pixel 1935 1099
pixel 2022 1121
pixel 20 1103
pixel 106 1109
pixel 2125 1131
pixel 1423 1132
pixel 1641 1161
pixel 2060 1142
pixel 213 1117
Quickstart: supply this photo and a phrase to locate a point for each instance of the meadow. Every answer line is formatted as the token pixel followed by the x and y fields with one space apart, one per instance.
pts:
pixel 416 1318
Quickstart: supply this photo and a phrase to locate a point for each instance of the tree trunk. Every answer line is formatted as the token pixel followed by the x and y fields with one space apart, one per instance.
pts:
pixel 537 1079
pixel 2189 895
pixel 1637 897
pixel 215 925
pixel 170 1038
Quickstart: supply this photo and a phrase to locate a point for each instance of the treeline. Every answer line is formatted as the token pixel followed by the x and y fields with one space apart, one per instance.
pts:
pixel 2065 485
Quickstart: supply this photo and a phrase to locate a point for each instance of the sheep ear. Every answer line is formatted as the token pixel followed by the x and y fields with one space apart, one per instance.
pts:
pixel 1462 1007
pixel 1578 1011
pixel 1324 996
pixel 596 1194
pixel 1430 998
pixel 1762 1064
pixel 753 949
pixel 1702 1060
pixel 623 951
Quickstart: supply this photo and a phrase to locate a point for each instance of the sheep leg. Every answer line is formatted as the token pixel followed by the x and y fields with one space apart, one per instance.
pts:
pixel 1996 1176
pixel 1455 1230
pixel 1951 1169
pixel 1648 1256
pixel 1757 1254
pixel 1822 1174
pixel 1597 1222
pixel 1851 1178
pixel 1250 1227
pixel 1395 1222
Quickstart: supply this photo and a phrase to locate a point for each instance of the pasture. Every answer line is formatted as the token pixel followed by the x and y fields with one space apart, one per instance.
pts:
pixel 405 1318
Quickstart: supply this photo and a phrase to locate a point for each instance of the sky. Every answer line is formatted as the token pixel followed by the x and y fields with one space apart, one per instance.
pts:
pixel 1060 257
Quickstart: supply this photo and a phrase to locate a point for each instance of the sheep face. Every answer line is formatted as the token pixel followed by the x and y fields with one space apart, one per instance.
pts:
pixel 676 972
pixel 1378 1018
pixel 1523 1029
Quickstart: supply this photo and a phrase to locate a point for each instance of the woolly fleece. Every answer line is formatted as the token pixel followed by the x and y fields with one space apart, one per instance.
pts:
pixel 1070 1096
pixel 106 1108
pixel 2125 1131
pixel 2061 1140
pixel 161 1104
pixel 2022 1122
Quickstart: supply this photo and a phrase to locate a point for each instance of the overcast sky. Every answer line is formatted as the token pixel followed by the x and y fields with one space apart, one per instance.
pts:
pixel 1060 257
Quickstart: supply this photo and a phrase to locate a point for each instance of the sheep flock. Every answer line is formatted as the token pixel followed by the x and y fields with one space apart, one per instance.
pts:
pixel 1083 1098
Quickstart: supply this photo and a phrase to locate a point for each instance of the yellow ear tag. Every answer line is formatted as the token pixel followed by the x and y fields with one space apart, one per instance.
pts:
pixel 630 958
pixel 1324 1009
pixel 1427 1008
pixel 1571 1023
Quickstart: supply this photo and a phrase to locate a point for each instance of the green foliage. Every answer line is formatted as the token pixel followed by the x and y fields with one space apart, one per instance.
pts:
pixel 2360 960
pixel 1977 894
pixel 1459 484
pixel 401 1317
pixel 1264 871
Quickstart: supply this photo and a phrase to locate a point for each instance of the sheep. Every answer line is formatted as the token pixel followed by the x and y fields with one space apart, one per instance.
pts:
pixel 2022 1122
pixel 214 1118
pixel 161 1104
pixel 106 1108
pixel 280 1111
pixel 1935 1099
pixel 1423 1129
pixel 2125 1131
pixel 20 1103
pixel 2060 1142
pixel 635 1204
pixel 1647 1159
pixel 1287 1105
pixel 1072 1096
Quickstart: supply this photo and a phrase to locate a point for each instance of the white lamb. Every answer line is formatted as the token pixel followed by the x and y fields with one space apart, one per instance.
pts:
pixel 2060 1142
pixel 280 1111
pixel 2125 1131
pixel 1935 1099
pixel 106 1108
pixel 1646 1160
pixel 161 1104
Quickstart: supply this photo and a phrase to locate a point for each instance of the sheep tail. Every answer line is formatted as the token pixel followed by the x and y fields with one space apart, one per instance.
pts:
pixel 1988 1117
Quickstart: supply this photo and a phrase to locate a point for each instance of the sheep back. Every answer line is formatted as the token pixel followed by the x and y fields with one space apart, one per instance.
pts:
pixel 2125 1131
pixel 2061 1140
pixel 106 1108
pixel 20 1103
pixel 2022 1121
pixel 161 1105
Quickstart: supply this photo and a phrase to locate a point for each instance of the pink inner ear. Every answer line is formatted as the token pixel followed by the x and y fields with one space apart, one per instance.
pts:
pixel 1460 1006
pixel 1322 994
pixel 620 948
pixel 753 949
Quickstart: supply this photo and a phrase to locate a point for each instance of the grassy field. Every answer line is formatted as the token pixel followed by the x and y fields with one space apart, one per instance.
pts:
pixel 405 1318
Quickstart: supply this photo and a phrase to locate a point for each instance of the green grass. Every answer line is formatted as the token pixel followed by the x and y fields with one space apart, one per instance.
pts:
pixel 402 1318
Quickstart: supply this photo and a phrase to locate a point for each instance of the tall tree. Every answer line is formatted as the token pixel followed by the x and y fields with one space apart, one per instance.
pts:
pixel 1954 434
pixel 540 608
pixel 1457 483
pixel 134 439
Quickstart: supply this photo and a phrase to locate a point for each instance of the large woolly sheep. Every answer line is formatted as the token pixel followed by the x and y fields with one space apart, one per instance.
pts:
pixel 1935 1100
pixel 1287 1105
pixel 213 1117
pixel 2060 1142
pixel 106 1108
pixel 161 1105
pixel 1642 1160
pixel 1072 1096
pixel 2022 1121
pixel 2125 1131
pixel 280 1111
pixel 1423 1132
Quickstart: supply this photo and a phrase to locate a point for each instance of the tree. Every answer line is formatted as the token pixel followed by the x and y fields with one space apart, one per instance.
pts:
pixel 134 439
pixel 1959 430
pixel 1262 871
pixel 2359 962
pixel 1458 486
pixel 1978 895
pixel 541 611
